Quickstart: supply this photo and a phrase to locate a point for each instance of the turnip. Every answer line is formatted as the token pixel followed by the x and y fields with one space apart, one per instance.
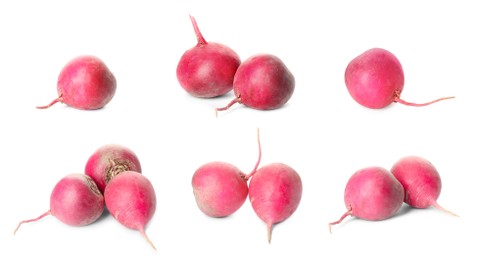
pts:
pixel 421 181
pixel 262 82
pixel 375 79
pixel 208 69
pixel 372 193
pixel 108 161
pixel 220 188
pixel 85 83
pixel 131 200
pixel 75 200
pixel 275 192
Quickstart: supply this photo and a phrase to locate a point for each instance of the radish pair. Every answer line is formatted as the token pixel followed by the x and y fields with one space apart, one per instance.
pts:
pixel 275 190
pixel 112 178
pixel 212 69
pixel 375 193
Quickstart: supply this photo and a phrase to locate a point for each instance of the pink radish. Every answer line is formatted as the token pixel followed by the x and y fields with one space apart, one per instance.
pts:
pixel 262 82
pixel 372 193
pixel 220 188
pixel 108 161
pixel 85 83
pixel 275 192
pixel 131 200
pixel 75 200
pixel 375 79
pixel 421 182
pixel 208 69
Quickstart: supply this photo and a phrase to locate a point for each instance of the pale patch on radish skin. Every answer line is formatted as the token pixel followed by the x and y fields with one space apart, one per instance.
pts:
pixel 375 79
pixel 372 193
pixel 75 201
pixel 421 181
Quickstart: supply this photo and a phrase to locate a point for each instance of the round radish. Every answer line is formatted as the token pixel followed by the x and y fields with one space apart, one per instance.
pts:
pixel 75 200
pixel 131 200
pixel 275 193
pixel 208 69
pixel 262 82
pixel 220 188
pixel 108 161
pixel 375 79
pixel 372 193
pixel 421 182
pixel 85 83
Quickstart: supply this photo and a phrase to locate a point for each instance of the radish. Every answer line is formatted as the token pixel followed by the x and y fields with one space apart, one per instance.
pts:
pixel 131 200
pixel 421 182
pixel 275 193
pixel 372 193
pixel 262 82
pixel 375 79
pixel 220 188
pixel 75 200
pixel 85 83
pixel 208 69
pixel 108 161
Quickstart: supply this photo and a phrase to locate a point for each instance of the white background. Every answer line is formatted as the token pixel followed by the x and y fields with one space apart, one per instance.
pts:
pixel 321 132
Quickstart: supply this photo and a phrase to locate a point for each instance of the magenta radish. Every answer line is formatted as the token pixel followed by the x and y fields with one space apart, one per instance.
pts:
pixel 220 188
pixel 131 200
pixel 375 79
pixel 275 192
pixel 262 82
pixel 75 201
pixel 207 70
pixel 85 83
pixel 372 193
pixel 108 161
pixel 421 181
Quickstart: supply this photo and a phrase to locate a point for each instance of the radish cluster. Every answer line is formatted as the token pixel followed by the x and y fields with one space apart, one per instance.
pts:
pixel 375 193
pixel 112 178
pixel 275 190
pixel 209 69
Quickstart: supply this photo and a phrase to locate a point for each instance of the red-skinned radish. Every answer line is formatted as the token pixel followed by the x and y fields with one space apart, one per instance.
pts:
pixel 131 200
pixel 108 161
pixel 220 188
pixel 75 200
pixel 372 193
pixel 85 83
pixel 207 70
pixel 421 181
pixel 375 79
pixel 275 192
pixel 262 82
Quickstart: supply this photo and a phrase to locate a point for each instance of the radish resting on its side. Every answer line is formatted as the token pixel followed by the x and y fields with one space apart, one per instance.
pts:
pixel 275 193
pixel 108 161
pixel 220 188
pixel 75 200
pixel 85 83
pixel 421 182
pixel 375 79
pixel 131 200
pixel 372 193
pixel 262 82
pixel 207 70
